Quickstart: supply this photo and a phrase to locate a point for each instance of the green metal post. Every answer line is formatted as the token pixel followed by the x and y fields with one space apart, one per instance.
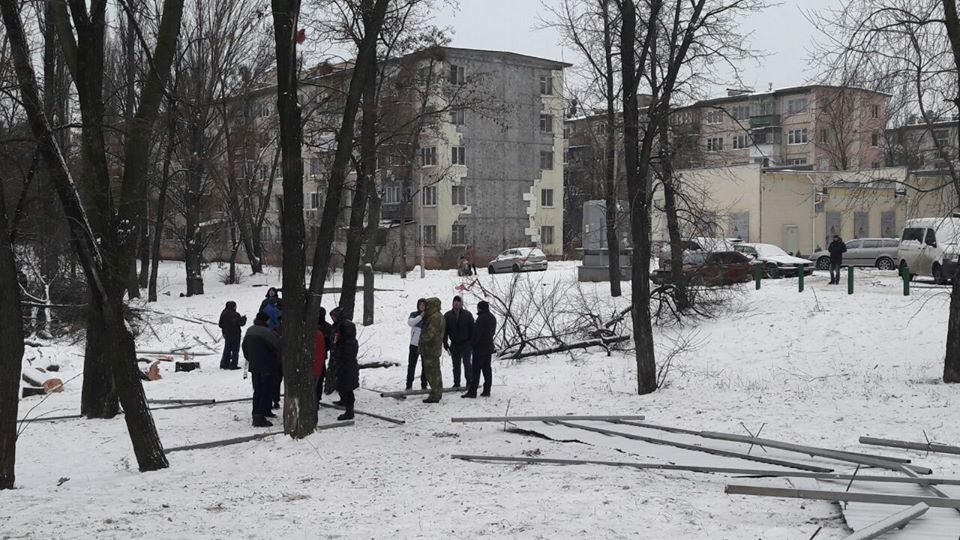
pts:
pixel 905 274
pixel 849 280
pixel 757 275
pixel 803 272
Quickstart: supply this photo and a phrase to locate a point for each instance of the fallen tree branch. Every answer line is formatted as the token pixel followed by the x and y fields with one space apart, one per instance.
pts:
pixel 379 364
pixel 599 342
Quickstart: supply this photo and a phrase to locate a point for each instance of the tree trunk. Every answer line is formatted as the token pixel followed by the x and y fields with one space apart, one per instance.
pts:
pixel 680 292
pixel 371 234
pixel 130 67
pixel 144 278
pixel 365 184
pixel 610 180
pixel 300 403
pixel 637 172
pixel 951 365
pixel 11 343
pixel 121 350
pixel 162 201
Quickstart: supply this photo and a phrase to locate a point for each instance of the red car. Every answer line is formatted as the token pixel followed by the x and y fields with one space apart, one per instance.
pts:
pixel 711 268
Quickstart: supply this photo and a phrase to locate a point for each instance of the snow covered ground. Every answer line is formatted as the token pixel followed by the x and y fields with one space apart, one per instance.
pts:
pixel 819 368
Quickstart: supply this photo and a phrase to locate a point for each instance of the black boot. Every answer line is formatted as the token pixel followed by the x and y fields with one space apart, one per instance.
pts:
pixel 485 393
pixel 260 421
pixel 348 415
pixel 432 400
pixel 470 394
pixel 270 415
pixel 338 402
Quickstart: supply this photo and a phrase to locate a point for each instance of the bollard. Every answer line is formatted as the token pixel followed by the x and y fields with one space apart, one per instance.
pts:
pixel 803 272
pixel 905 274
pixel 849 280
pixel 757 275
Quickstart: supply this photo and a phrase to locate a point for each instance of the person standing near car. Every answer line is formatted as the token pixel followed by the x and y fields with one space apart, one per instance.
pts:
pixel 457 338
pixel 837 248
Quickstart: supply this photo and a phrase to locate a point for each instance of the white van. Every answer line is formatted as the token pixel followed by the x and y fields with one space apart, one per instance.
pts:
pixel 929 247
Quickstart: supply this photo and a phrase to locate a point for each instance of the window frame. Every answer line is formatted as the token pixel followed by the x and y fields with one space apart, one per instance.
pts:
pixel 546 196
pixel 552 158
pixel 425 201
pixel 458 155
pixel 462 199
pixel 462 229
pixel 543 236
pixel 428 232
pixel 714 144
pixel 800 138
pixel 546 123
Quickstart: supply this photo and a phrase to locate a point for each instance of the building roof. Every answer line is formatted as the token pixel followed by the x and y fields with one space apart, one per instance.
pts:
pixel 779 92
pixel 507 54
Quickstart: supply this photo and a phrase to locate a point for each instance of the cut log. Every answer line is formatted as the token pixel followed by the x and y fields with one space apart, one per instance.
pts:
pixel 539 418
pixel 364 413
pixel 40 378
pixel 908 445
pixel 569 347
pixel 837 496
pixel 380 364
pixel 186 366
pixel 697 448
pixel 240 440
pixel 754 473
pixel 405 393
pixel 895 521
pixel 182 401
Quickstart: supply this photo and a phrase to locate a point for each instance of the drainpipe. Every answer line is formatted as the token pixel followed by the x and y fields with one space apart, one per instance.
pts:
pixel 813 210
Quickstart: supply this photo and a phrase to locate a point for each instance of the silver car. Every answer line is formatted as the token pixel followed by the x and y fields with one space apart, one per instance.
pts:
pixel 878 252
pixel 518 260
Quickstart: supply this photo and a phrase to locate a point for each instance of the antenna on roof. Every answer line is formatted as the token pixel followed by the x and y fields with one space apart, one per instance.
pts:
pixel 769 87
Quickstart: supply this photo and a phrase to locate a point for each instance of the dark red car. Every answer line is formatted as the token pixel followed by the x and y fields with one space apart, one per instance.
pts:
pixel 711 268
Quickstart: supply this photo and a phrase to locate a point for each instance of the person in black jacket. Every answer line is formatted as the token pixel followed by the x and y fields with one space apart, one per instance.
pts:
pixel 230 324
pixel 837 248
pixel 457 336
pixel 343 370
pixel 261 348
pixel 483 332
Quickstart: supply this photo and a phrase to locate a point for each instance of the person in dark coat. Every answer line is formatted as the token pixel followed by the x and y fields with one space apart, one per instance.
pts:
pixel 321 351
pixel 483 332
pixel 343 361
pixel 837 248
pixel 415 321
pixel 261 348
pixel 230 324
pixel 457 336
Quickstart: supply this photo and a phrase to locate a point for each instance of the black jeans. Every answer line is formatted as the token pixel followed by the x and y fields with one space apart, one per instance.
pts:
pixel 277 385
pixel 263 383
pixel 347 399
pixel 412 368
pixel 835 272
pixel 481 364
pixel 231 354
pixel 461 352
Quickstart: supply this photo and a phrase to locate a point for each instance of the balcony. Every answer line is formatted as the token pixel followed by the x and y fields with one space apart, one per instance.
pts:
pixel 764 121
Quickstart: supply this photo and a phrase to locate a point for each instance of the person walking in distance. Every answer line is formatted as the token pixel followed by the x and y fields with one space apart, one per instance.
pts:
pixel 431 343
pixel 261 348
pixel 415 321
pixel 458 334
pixel 483 332
pixel 230 324
pixel 343 361
pixel 837 248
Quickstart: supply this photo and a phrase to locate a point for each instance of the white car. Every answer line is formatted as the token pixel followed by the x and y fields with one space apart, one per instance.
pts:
pixel 518 260
pixel 776 262
pixel 930 247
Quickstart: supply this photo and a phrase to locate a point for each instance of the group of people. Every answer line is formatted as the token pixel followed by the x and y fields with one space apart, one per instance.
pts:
pixel 335 349
pixel 469 342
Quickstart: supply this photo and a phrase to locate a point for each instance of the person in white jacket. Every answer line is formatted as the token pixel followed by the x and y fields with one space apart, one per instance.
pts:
pixel 416 324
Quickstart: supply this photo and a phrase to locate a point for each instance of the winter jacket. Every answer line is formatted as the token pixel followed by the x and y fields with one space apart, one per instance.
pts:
pixel 261 348
pixel 320 354
pixel 431 336
pixel 343 357
pixel 459 327
pixel 837 248
pixel 230 323
pixel 483 332
pixel 416 326
pixel 271 310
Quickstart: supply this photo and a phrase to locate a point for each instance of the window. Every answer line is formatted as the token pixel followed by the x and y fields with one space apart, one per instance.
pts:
pixel 458 155
pixel 457 117
pixel 823 135
pixel 874 111
pixel 890 243
pixel 931 238
pixel 797 161
pixel 456 74
pixel 429 235
pixel 912 234
pixel 874 140
pixel 872 244
pixel 546 235
pixel 795 106
pixel 314 201
pixel 546 123
pixel 714 144
pixel 714 116
pixel 546 85
pixel 264 109
pixel 458 195
pixel 429 196
pixel 392 194
pixel 459 235
pixel 854 244
pixel 741 141
pixel 546 198
pixel 314 166
pixel 428 156
pixel 741 112
pixel 797 136
pixel 941 138
pixel 546 161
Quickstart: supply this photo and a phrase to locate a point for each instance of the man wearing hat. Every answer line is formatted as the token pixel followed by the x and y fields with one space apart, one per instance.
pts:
pixel 261 348
pixel 457 338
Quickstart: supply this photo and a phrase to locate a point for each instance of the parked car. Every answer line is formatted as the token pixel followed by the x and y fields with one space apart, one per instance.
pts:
pixel 711 268
pixel 700 243
pixel 928 247
pixel 518 260
pixel 878 252
pixel 776 262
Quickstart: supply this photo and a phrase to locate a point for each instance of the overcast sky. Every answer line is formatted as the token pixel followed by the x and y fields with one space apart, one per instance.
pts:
pixel 512 25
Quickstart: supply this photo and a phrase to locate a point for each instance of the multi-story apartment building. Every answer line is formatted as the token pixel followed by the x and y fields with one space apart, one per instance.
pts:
pixel 816 127
pixel 922 146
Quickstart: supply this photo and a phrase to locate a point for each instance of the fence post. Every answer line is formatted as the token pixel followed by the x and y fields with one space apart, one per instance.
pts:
pixel 368 298
pixel 800 276
pixel 757 275
pixel 849 280
pixel 905 274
